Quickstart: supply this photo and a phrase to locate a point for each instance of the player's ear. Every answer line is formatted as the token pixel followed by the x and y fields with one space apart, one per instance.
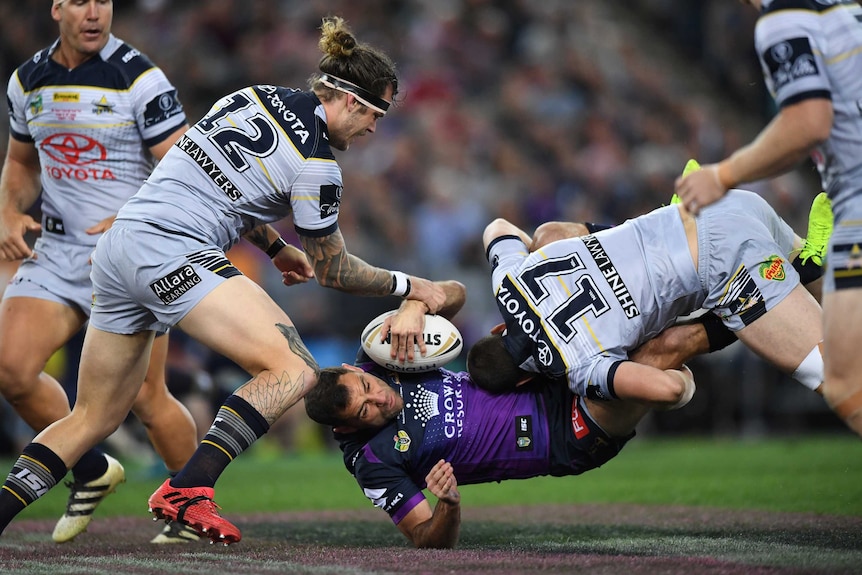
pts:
pixel 344 429
pixel 349 367
pixel 499 328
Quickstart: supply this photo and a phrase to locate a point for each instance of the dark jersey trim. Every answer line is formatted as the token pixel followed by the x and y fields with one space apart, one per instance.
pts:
pixel 500 239
pixel 323 232
pixel 810 95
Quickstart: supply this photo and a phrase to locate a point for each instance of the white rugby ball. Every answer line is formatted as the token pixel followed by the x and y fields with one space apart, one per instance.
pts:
pixel 443 343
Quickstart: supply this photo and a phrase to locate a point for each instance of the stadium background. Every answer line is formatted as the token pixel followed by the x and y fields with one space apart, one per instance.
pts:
pixel 532 111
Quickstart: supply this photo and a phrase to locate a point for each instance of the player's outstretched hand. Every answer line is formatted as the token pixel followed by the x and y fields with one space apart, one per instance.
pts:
pixel 294 265
pixel 442 484
pixel 700 188
pixel 13 226
pixel 404 330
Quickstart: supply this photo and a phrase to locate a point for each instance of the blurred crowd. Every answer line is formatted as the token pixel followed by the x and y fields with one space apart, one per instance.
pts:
pixel 532 111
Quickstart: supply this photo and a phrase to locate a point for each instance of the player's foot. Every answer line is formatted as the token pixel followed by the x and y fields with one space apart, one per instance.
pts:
pixel 193 506
pixel 690 166
pixel 176 532
pixel 819 229
pixel 84 499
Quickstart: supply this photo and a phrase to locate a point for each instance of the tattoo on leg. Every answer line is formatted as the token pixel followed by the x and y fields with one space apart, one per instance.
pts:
pixel 296 345
pixel 271 395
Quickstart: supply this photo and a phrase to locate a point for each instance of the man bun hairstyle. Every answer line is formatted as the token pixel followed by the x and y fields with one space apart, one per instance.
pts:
pixel 347 60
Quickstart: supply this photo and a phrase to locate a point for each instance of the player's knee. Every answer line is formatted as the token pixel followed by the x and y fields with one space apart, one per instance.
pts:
pixel 143 407
pixel 17 382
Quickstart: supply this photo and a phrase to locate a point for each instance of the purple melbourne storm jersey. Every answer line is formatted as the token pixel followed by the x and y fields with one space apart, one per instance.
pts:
pixel 542 429
pixel 93 127
pixel 260 154
pixel 813 49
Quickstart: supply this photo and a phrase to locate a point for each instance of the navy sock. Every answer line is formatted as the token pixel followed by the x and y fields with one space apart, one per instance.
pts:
pixel 237 425
pixel 36 471
pixel 808 271
pixel 92 465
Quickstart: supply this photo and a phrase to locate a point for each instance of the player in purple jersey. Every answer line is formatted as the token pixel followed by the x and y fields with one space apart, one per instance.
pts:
pixel 810 52
pixel 261 154
pixel 89 116
pixel 402 433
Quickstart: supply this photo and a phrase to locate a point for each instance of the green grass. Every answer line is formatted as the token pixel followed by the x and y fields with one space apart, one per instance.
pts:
pixel 819 475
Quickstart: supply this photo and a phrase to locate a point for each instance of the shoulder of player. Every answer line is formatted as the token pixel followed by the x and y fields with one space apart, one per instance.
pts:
pixel 30 71
pixel 777 6
pixel 128 60
pixel 295 111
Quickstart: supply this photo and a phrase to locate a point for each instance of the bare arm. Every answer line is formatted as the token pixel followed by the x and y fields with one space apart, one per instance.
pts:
pixel 673 347
pixel 784 142
pixel 159 150
pixel 289 260
pixel 438 529
pixel 657 388
pixel 501 227
pixel 335 268
pixel 19 189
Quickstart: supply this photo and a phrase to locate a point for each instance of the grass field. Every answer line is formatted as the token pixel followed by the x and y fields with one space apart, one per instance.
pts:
pixel 791 505
pixel 817 475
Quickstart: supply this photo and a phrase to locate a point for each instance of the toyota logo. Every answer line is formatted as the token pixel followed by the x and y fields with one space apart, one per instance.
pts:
pixel 544 353
pixel 74 149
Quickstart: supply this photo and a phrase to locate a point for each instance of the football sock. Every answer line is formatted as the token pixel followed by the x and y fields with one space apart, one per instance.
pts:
pixel 809 270
pixel 92 465
pixel 718 334
pixel 37 470
pixel 237 425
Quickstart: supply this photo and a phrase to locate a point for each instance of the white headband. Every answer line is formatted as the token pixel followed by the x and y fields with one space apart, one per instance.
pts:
pixel 377 104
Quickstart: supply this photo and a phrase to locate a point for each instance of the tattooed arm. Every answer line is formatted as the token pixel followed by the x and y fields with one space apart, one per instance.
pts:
pixel 335 268
pixel 290 260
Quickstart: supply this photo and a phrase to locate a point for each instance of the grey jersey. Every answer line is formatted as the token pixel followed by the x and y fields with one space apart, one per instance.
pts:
pixel 576 307
pixel 93 127
pixel 813 49
pixel 259 155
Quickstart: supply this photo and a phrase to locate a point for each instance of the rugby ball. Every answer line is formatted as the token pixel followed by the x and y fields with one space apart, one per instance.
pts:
pixel 443 343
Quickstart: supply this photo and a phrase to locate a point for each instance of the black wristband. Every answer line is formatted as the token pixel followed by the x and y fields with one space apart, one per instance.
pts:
pixel 275 247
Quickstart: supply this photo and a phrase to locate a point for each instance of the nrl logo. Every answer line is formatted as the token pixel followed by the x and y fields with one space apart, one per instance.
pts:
pixel 402 441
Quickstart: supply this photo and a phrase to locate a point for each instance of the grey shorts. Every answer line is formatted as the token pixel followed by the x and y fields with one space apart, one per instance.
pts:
pixel 60 273
pixel 844 257
pixel 742 258
pixel 147 279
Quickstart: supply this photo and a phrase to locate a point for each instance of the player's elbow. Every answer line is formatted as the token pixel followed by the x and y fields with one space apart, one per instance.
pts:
pixel 446 540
